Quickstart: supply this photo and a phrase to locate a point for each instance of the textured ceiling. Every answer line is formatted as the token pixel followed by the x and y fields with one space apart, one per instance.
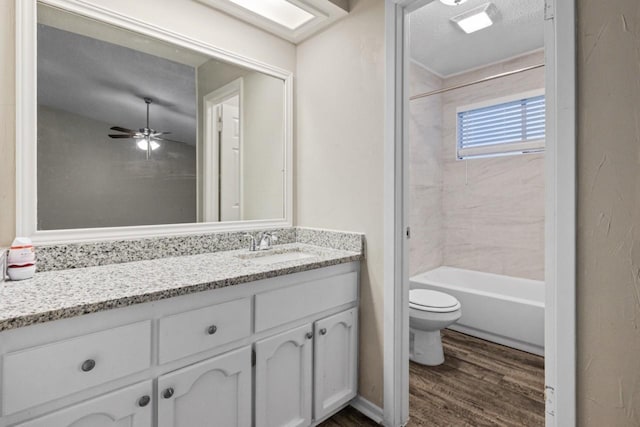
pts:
pixel 108 82
pixel 445 49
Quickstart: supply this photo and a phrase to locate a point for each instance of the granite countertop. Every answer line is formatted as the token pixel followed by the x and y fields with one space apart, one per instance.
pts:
pixel 62 294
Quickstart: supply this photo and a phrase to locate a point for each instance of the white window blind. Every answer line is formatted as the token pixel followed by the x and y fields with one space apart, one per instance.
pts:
pixel 513 127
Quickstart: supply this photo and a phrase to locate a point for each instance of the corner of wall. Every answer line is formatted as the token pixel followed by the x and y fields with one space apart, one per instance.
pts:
pixel 338 159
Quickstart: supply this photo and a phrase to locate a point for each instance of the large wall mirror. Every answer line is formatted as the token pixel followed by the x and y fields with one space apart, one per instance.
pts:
pixel 139 134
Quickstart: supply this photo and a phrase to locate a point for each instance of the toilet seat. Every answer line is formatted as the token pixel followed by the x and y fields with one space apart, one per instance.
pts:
pixel 432 301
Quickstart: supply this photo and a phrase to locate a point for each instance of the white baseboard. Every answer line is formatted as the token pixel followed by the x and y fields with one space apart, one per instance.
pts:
pixel 365 407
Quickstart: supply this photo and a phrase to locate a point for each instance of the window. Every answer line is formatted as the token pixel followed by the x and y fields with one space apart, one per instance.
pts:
pixel 513 126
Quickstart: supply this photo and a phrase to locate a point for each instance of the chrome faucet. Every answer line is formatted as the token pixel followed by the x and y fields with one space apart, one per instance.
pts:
pixel 252 242
pixel 262 241
pixel 267 240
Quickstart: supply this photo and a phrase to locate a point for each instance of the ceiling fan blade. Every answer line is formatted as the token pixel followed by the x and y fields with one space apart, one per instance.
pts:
pixel 119 129
pixel 169 140
pixel 120 136
pixel 156 134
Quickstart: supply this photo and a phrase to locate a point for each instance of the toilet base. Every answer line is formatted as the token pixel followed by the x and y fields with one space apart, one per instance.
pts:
pixel 426 348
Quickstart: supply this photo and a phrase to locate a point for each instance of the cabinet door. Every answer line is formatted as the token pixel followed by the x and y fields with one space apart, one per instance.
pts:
pixel 128 407
pixel 213 393
pixel 283 379
pixel 336 362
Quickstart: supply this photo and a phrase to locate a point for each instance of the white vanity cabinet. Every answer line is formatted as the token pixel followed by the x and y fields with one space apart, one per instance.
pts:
pixel 130 407
pixel 335 362
pixel 44 373
pixel 284 375
pixel 215 393
pixel 312 367
pixel 270 353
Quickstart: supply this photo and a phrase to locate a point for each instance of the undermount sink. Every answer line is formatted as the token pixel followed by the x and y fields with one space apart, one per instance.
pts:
pixel 265 258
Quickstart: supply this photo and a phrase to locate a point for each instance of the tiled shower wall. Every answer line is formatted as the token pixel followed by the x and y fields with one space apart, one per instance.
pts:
pixel 425 173
pixel 490 212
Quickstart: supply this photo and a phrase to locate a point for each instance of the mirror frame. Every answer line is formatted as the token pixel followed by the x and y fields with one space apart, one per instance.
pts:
pixel 26 128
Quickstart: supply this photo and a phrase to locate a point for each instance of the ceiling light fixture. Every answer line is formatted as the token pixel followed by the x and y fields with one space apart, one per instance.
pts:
pixel 282 12
pixel 453 2
pixel 142 144
pixel 477 18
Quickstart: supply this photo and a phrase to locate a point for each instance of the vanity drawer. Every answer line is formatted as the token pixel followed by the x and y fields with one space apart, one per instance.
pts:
pixel 41 374
pixel 285 305
pixel 199 330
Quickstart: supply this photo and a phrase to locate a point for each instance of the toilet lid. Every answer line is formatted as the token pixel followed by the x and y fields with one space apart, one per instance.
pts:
pixel 434 301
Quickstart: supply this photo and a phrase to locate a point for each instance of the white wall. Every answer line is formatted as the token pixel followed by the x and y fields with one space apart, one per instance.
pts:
pixel 339 155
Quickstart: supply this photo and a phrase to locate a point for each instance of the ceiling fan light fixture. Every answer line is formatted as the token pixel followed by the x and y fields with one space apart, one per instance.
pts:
pixel 453 2
pixel 146 139
pixel 477 18
pixel 142 144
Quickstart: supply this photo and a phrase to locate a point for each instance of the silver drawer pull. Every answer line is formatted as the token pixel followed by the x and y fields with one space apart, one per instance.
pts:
pixel 167 393
pixel 323 331
pixel 212 329
pixel 309 335
pixel 88 365
pixel 144 401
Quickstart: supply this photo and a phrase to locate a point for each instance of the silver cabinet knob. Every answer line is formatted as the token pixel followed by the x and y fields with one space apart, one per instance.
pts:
pixel 323 331
pixel 309 335
pixel 88 365
pixel 168 393
pixel 144 401
pixel 212 329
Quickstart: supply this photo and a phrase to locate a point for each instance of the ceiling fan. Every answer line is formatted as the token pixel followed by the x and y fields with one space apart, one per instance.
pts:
pixel 147 138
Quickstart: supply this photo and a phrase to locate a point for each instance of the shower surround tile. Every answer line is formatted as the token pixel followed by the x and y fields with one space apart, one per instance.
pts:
pixel 479 214
pixel 494 207
pixel 425 173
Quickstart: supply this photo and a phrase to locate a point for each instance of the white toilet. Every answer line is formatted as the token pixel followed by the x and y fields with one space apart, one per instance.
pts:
pixel 430 311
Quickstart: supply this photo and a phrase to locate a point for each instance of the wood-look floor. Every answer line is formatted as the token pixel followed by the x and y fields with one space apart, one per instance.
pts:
pixel 480 384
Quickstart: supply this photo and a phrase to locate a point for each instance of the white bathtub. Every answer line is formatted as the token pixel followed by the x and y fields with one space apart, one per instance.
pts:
pixel 502 309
